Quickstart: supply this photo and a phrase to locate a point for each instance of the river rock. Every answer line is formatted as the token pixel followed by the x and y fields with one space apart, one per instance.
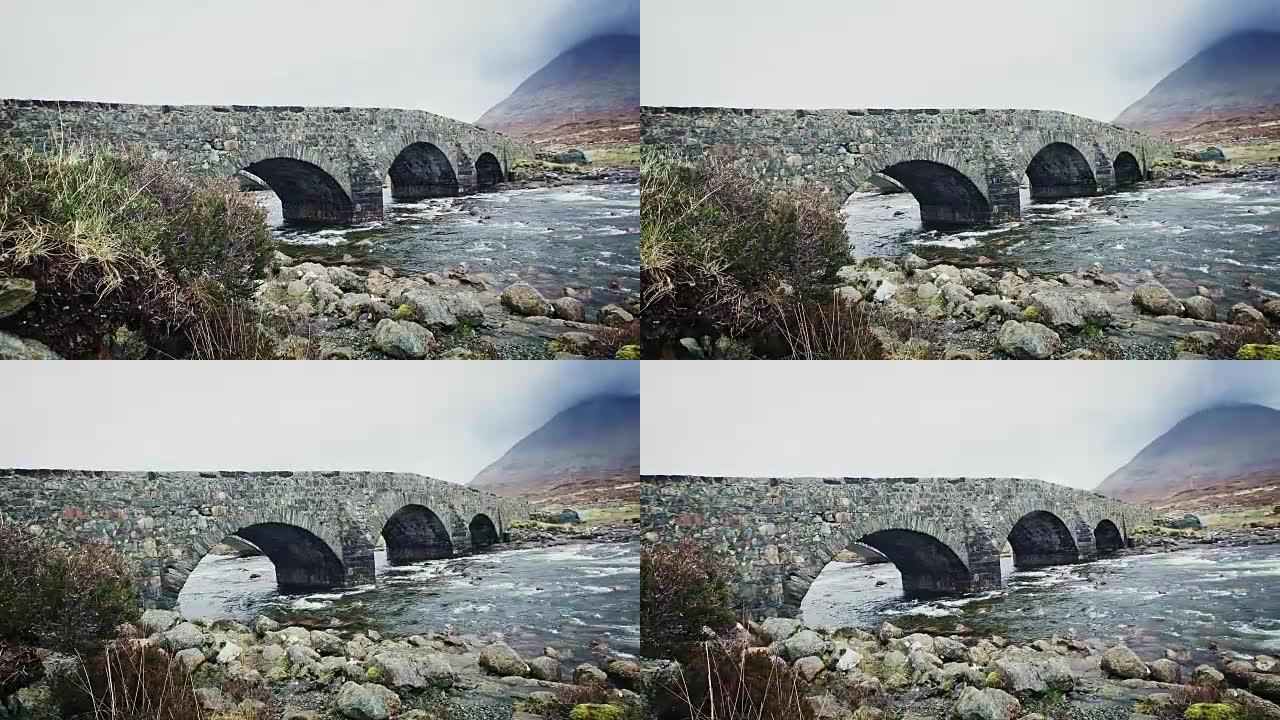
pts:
pixel 567 308
pixel 500 659
pixel 888 631
pixel 805 642
pixel 263 625
pixel 613 316
pixel 403 339
pixel 986 704
pixel 415 668
pixel 327 643
pixel 1265 685
pixel 366 702
pixel 545 668
pixel 777 629
pixel 1271 309
pixel 1071 309
pixel 1237 672
pixel 346 279
pixel 1259 708
pixel 911 262
pixel 1122 662
pixel 1200 308
pixel 183 636
pixel 1207 676
pixel 588 674
pixel 1245 314
pixel 430 309
pixel 977 281
pixel 158 621
pixel 15 294
pixel 1155 299
pixel 13 347
pixel 1165 670
pixel 885 292
pixel 1028 341
pixel 524 299
pixel 808 667
pixel 950 650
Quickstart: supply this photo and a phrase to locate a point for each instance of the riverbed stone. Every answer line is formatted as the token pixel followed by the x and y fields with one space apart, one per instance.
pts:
pixel 986 704
pixel 15 294
pixel 366 701
pixel 613 316
pixel 567 308
pixel 403 339
pixel 1028 340
pixel 1265 685
pixel 1165 670
pixel 1200 308
pixel 1122 662
pixel 416 668
pixel 1207 676
pixel 545 668
pixel 805 642
pixel 588 674
pixel 1246 314
pixel 1072 310
pixel 182 636
pixel 327 643
pixel 809 666
pixel 524 299
pixel 777 629
pixel 500 659
pixel 230 652
pixel 263 625
pixel 1155 299
pixel 158 621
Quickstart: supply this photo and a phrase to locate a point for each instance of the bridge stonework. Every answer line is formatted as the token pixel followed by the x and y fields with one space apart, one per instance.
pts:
pixel 944 535
pixel 318 528
pixel 964 167
pixel 327 164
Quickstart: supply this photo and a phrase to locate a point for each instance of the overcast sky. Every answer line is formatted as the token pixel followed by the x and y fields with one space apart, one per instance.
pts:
pixel 1089 57
pixel 453 58
pixel 447 420
pixel 1069 423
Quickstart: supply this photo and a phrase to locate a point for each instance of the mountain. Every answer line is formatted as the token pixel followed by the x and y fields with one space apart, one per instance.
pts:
pixel 594 445
pixel 592 88
pixel 1213 452
pixel 1236 78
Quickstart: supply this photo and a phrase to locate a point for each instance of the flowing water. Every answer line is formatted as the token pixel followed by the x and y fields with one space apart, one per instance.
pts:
pixel 1214 234
pixel 1186 599
pixel 565 596
pixel 585 235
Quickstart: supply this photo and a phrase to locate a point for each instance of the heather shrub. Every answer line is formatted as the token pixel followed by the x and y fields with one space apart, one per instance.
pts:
pixel 723 680
pixel 128 681
pixel 683 588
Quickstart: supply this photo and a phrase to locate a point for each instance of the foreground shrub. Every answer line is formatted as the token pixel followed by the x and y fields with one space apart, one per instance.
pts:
pixel 683 589
pixel 828 331
pixel 725 681
pixel 718 247
pixel 116 240
pixel 128 681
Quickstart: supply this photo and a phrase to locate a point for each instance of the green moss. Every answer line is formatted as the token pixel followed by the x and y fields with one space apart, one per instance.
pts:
pixel 1214 711
pixel 993 679
pixel 405 312
pixel 594 711
pixel 627 352
pixel 1091 332
pixel 373 674
pixel 1031 313
pixel 464 331
pixel 1258 352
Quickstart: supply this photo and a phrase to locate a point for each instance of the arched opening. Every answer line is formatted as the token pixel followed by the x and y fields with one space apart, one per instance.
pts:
pixel 1127 170
pixel 307 193
pixel 422 170
pixel 483 532
pixel 415 533
pixel 929 568
pixel 488 172
pixel 1107 538
pixel 947 197
pixel 1040 538
pixel 1060 170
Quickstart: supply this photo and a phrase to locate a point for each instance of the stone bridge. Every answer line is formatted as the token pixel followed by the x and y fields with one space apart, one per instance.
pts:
pixel 318 528
pixel 327 164
pixel 944 535
pixel 964 167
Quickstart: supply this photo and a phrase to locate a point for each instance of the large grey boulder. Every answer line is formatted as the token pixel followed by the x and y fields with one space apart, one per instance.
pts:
pixel 403 339
pixel 158 621
pixel 1028 341
pixel 500 659
pixel 1166 671
pixel 986 704
pixel 776 629
pixel 1200 308
pixel 327 643
pixel 366 702
pixel 1155 299
pixel 415 668
pixel 524 299
pixel 613 316
pixel 183 636
pixel 545 668
pixel 1122 662
pixel 805 642
pixel 13 347
pixel 1071 309
pixel 567 308
pixel 1245 314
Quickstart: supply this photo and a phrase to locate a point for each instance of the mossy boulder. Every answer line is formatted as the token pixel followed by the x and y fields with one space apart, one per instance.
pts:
pixel 1258 352
pixel 1213 711
pixel 627 352
pixel 596 711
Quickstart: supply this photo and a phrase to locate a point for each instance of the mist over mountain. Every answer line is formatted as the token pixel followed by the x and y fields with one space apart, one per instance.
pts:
pixel 593 442
pixel 1238 76
pixel 1208 450
pixel 597 81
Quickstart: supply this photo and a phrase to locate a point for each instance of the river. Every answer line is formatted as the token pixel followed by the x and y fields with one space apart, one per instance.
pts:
pixel 565 596
pixel 585 235
pixel 1186 599
pixel 1214 234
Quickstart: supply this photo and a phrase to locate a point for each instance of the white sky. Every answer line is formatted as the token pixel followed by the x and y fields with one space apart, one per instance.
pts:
pixel 1067 422
pixel 1089 57
pixel 443 419
pixel 455 58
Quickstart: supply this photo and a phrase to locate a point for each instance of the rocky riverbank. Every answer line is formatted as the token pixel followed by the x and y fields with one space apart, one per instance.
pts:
pixel 299 673
pixel 856 674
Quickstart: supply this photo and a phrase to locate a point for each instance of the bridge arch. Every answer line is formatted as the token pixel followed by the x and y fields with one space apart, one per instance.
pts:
pixel 488 170
pixel 483 531
pixel 951 192
pixel 308 192
pixel 1041 538
pixel 1061 170
pixel 306 554
pixel 1107 537
pixel 1126 168
pixel 414 533
pixel 422 170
